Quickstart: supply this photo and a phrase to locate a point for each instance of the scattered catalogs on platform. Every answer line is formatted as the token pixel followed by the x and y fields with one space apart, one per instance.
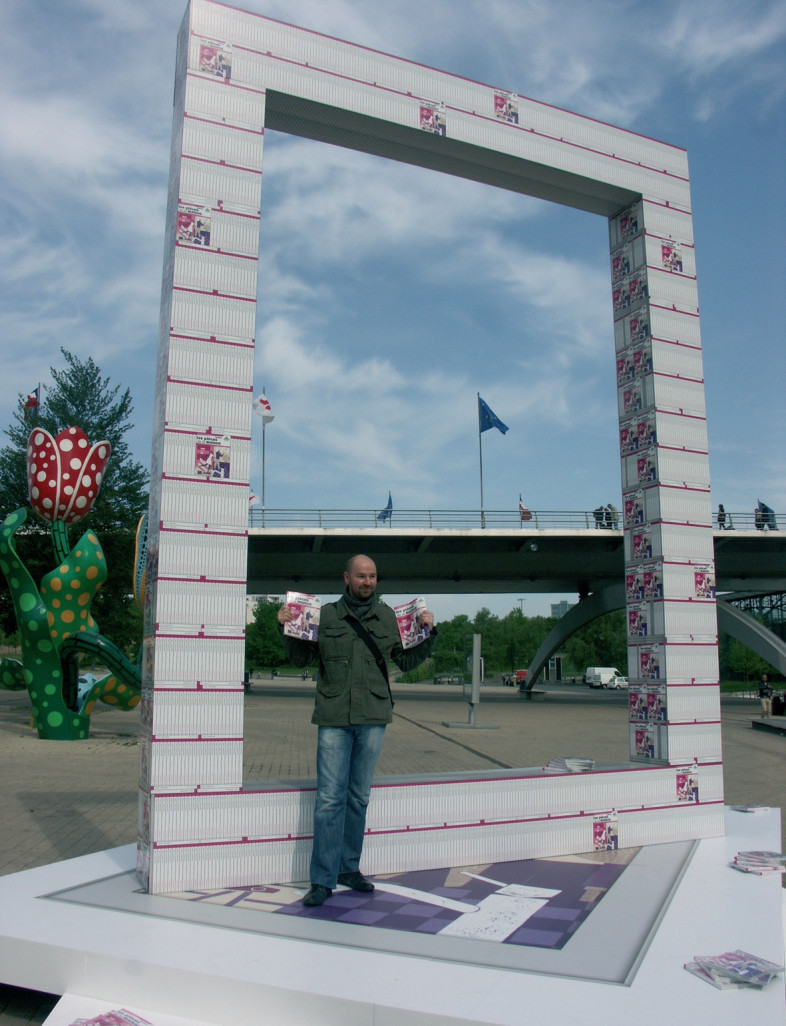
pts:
pixel 569 764
pixel 734 969
pixel 761 862
pixel 117 1017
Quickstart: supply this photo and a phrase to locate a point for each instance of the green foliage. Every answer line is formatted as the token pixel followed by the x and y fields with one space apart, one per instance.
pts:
pixel 603 642
pixel 79 396
pixel 449 646
pixel 114 608
pixel 264 647
pixel 423 672
pixel 9 642
pixel 521 637
pixel 507 643
pixel 742 662
pixel 510 642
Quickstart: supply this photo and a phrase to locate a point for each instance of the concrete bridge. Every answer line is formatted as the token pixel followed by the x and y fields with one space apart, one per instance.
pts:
pixel 449 552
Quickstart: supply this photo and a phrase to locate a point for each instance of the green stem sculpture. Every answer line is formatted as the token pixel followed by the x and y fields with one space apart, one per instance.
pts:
pixel 54 625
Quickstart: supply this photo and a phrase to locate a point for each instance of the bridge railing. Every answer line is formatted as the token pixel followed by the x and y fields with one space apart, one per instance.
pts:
pixel 424 519
pixel 462 519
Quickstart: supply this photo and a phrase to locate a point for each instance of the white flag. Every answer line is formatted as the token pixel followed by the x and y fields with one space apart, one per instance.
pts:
pixel 262 407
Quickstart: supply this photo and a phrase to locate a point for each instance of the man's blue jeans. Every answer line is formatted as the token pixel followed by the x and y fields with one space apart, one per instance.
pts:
pixel 346 759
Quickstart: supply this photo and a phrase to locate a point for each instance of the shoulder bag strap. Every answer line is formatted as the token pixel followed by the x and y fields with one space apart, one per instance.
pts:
pixel 373 648
pixel 371 645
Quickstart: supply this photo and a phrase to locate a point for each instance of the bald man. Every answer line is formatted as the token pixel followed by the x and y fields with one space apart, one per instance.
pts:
pixel 358 636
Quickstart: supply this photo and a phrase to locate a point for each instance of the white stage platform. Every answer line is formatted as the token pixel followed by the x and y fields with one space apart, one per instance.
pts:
pixel 82 929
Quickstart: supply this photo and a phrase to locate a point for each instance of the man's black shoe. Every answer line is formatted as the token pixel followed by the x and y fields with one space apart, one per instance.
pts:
pixel 317 895
pixel 356 881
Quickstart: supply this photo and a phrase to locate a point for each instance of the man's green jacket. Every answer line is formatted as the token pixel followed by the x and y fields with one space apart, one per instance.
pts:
pixel 351 689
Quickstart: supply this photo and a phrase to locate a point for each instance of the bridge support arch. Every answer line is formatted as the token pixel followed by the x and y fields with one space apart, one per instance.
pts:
pixel 732 621
pixel 754 635
pixel 587 610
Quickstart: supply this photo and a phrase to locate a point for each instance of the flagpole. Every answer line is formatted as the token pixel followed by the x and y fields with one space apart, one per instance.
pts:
pixel 480 455
pixel 264 429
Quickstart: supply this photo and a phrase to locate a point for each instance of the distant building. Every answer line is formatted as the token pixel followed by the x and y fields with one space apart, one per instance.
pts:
pixel 558 609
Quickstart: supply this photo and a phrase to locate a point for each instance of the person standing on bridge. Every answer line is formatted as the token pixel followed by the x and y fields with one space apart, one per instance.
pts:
pixel 358 635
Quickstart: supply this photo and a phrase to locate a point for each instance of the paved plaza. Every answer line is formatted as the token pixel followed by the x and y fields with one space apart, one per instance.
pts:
pixel 65 799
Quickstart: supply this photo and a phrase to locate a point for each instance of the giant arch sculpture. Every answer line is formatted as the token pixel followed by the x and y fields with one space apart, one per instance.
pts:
pixel 236 74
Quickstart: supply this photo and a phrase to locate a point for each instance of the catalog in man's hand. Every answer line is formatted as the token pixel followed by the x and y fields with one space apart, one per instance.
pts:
pixel 305 616
pixel 407 619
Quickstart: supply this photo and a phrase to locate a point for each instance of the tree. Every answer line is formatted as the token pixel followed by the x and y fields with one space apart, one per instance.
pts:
pixel 263 639
pixel 603 642
pixel 506 644
pixel 744 663
pixel 523 636
pixel 492 645
pixel 80 396
pixel 449 647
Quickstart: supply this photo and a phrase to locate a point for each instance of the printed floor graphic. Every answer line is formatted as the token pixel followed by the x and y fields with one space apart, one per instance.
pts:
pixel 538 902
pixel 551 916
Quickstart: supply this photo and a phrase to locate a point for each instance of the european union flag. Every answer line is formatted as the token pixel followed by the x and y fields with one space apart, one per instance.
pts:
pixel 488 419
pixel 387 512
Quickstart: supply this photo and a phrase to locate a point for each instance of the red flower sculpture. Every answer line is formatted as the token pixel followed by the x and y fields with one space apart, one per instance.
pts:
pixel 64 473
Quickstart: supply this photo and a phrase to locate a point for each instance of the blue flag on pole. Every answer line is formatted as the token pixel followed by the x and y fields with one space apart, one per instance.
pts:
pixel 488 419
pixel 387 512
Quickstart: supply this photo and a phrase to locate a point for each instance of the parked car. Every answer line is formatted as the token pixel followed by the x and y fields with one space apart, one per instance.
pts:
pixel 617 683
pixel 447 678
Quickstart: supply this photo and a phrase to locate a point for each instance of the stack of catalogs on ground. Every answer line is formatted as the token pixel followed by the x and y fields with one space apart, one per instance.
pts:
pixel 761 862
pixel 569 764
pixel 734 969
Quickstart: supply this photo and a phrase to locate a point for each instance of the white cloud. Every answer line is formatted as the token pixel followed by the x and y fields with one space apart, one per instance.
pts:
pixel 722 49
pixel 518 310
pixel 710 35
pixel 62 137
pixel 372 422
pixel 336 204
pixel 306 364
pixel 568 295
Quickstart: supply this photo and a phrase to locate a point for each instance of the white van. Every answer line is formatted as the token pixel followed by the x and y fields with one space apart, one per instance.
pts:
pixel 601 676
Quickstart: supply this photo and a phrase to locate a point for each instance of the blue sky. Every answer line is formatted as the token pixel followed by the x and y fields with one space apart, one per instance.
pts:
pixel 390 295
